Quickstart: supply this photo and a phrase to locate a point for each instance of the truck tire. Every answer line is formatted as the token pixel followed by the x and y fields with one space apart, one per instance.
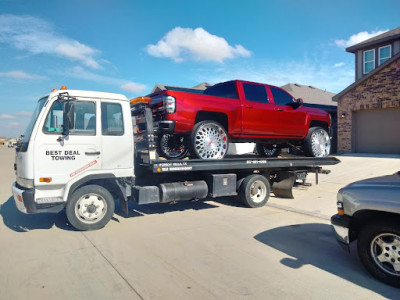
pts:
pixel 317 142
pixel 172 146
pixel 90 207
pixel 268 150
pixel 378 247
pixel 254 190
pixel 208 140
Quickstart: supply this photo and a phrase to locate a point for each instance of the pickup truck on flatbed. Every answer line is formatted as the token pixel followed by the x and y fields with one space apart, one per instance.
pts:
pixel 82 150
pixel 204 122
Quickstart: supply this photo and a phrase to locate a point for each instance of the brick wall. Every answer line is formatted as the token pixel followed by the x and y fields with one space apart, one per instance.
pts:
pixel 381 90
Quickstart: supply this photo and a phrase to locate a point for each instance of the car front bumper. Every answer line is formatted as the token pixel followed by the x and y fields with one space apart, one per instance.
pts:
pixel 341 225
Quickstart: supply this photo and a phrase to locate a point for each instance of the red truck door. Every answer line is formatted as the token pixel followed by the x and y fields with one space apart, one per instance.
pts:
pixel 257 110
pixel 288 119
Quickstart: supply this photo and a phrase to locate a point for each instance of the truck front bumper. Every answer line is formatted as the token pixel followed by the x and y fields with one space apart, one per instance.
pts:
pixel 341 225
pixel 25 201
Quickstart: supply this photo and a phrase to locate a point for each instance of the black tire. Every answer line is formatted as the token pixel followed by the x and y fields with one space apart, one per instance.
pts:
pixel 317 143
pixel 172 146
pixel 90 207
pixel 378 247
pixel 268 150
pixel 208 140
pixel 254 190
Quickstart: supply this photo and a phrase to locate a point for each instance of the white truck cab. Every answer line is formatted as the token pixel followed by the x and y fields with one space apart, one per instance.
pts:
pixel 54 156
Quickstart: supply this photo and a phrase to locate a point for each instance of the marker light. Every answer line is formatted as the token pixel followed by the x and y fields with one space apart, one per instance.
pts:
pixel 141 100
pixel 45 179
pixel 53 90
pixel 64 87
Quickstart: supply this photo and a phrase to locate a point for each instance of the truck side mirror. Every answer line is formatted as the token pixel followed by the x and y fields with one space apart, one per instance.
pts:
pixel 68 117
pixel 299 101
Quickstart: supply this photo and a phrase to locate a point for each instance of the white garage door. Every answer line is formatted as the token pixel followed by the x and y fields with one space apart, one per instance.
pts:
pixel 376 131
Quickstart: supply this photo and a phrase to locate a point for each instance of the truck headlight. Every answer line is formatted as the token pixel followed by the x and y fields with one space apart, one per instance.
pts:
pixel 339 204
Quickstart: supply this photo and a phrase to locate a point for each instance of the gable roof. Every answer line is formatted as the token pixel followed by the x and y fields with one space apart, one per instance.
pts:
pixel 309 94
pixel 362 79
pixel 162 87
pixel 384 37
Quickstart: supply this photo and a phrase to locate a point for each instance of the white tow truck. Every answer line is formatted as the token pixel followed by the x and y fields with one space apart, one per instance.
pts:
pixel 83 150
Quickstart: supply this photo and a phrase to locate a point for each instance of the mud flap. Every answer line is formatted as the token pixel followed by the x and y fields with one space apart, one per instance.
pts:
pixel 283 185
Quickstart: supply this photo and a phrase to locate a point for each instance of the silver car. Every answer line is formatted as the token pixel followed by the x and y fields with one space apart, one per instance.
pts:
pixel 369 212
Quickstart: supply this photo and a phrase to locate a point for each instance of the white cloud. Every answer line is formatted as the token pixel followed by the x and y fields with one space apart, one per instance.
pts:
pixel 134 87
pixel 181 44
pixel 338 65
pixel 6 117
pixel 358 38
pixel 36 36
pixel 16 74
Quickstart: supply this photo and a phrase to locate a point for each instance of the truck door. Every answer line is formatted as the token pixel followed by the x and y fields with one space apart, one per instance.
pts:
pixel 288 119
pixel 60 158
pixel 257 110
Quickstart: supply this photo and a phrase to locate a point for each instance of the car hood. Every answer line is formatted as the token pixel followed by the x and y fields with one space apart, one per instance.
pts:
pixel 382 181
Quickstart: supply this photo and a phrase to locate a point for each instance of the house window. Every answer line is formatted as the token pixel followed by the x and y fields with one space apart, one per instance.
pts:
pixel 369 61
pixel 384 53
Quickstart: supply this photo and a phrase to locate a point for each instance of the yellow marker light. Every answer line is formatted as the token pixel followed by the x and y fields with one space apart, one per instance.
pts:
pixel 141 100
pixel 64 87
pixel 45 179
pixel 53 90
pixel 158 169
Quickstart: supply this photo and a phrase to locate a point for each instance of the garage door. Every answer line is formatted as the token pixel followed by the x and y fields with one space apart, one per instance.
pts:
pixel 376 131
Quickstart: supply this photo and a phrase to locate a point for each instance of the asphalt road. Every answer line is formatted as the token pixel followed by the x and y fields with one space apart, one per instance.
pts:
pixel 191 250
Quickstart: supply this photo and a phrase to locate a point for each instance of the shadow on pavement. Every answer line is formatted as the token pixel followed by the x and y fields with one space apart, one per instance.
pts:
pixel 21 222
pixel 315 244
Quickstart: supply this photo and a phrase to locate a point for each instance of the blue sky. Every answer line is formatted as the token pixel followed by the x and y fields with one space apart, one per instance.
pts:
pixel 129 46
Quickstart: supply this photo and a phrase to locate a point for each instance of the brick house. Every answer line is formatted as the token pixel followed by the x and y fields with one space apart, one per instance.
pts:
pixel 369 109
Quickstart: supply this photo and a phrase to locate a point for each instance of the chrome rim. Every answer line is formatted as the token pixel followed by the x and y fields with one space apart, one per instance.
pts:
pixel 385 249
pixel 172 146
pixel 211 142
pixel 258 191
pixel 320 143
pixel 91 208
pixel 270 150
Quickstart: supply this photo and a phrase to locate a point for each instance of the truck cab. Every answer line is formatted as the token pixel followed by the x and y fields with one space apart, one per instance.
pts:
pixel 74 137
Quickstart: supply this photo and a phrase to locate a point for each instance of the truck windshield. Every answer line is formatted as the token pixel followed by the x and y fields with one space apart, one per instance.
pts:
pixel 27 135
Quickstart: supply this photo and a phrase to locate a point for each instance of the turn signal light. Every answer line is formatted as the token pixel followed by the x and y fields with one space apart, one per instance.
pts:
pixel 45 179
pixel 19 198
pixel 141 100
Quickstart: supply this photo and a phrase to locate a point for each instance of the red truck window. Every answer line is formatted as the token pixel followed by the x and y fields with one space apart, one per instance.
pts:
pixel 255 92
pixel 281 97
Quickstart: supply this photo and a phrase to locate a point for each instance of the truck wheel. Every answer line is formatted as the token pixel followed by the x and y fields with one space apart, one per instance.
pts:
pixel 268 150
pixel 254 190
pixel 172 146
pixel 208 140
pixel 317 142
pixel 90 207
pixel 378 247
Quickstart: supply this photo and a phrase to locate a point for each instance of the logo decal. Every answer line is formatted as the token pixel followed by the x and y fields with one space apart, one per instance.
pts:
pixel 83 168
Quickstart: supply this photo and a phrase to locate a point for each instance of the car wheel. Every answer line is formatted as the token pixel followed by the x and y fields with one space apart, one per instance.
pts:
pixel 90 207
pixel 172 146
pixel 209 140
pixel 379 251
pixel 317 142
pixel 268 150
pixel 254 190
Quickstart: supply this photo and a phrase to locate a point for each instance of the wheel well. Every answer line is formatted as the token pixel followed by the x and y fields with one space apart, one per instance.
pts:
pixel 107 183
pixel 214 116
pixel 362 218
pixel 322 124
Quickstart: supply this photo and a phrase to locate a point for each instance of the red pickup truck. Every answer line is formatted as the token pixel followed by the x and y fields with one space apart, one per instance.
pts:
pixel 204 122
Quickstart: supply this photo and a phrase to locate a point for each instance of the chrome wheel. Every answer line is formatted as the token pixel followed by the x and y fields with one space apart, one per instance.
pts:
pixel 320 143
pixel 172 146
pixel 385 250
pixel 90 208
pixel 210 140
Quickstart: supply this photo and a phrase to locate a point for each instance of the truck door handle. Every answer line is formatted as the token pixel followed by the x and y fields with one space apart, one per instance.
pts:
pixel 93 153
pixel 279 109
pixel 249 106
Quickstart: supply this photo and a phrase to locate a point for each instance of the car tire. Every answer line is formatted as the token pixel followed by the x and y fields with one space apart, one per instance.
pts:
pixel 268 150
pixel 254 191
pixel 208 140
pixel 172 146
pixel 90 207
pixel 317 142
pixel 378 247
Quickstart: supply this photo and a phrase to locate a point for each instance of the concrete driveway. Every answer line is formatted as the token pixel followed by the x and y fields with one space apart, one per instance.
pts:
pixel 192 250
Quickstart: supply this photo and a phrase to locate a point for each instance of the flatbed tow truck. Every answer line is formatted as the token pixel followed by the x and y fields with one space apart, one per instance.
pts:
pixel 83 150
